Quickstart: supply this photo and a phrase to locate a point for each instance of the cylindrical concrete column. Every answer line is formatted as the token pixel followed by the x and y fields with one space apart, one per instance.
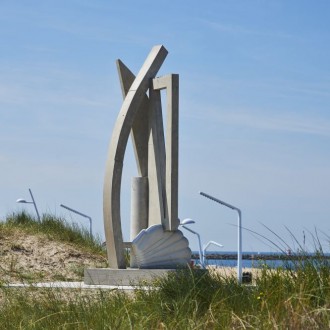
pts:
pixel 139 205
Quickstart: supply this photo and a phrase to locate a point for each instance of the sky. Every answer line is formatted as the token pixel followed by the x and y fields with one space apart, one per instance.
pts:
pixel 254 111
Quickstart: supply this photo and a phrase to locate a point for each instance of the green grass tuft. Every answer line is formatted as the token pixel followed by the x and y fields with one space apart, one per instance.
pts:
pixel 56 228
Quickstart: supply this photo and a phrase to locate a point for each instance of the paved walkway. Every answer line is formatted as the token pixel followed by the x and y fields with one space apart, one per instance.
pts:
pixel 72 285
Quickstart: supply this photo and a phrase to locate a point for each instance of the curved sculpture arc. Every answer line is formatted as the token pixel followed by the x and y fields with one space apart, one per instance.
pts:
pixel 114 165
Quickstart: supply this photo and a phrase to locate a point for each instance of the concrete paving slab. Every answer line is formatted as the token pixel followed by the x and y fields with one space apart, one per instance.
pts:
pixel 72 285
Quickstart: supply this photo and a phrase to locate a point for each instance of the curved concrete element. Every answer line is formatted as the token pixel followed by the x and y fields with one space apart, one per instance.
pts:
pixel 114 165
pixel 140 128
pixel 139 136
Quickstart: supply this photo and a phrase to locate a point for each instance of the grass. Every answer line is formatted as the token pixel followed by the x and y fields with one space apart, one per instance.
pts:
pixel 55 228
pixel 295 297
pixel 32 251
pixel 186 300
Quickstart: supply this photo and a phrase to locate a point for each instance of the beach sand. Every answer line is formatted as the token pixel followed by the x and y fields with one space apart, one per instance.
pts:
pixel 228 272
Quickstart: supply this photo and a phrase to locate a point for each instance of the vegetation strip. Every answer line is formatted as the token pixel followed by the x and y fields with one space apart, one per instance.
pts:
pixel 280 298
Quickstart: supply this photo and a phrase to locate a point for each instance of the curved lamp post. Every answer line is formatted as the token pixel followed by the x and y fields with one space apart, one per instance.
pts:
pixel 207 245
pixel 188 221
pixel 83 215
pixel 21 200
pixel 239 234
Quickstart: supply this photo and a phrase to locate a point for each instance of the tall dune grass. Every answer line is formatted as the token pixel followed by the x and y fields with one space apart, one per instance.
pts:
pixel 281 299
pixel 55 228
pixel 296 296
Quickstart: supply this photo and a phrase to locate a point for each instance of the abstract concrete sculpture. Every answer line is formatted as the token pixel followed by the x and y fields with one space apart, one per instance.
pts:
pixel 154 214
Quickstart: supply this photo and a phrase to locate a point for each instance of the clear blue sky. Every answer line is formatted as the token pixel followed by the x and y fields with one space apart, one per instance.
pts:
pixel 254 108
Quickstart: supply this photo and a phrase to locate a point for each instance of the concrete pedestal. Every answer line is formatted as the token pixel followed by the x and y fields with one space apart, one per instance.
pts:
pixel 129 276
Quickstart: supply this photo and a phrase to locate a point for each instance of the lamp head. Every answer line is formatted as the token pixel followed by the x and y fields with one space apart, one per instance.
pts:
pixel 187 221
pixel 21 200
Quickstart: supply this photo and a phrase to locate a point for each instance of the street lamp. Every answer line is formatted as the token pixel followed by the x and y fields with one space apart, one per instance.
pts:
pixel 207 245
pixel 188 221
pixel 239 239
pixel 21 200
pixel 83 215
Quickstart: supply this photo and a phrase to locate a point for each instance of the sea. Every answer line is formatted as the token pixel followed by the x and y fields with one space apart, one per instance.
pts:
pixel 251 259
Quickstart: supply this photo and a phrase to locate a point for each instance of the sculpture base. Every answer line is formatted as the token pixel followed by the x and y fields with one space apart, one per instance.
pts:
pixel 123 277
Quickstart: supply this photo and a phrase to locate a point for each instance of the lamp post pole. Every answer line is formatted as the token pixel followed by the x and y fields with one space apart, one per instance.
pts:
pixel 21 200
pixel 239 233
pixel 34 203
pixel 207 245
pixel 188 221
pixel 201 259
pixel 83 215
